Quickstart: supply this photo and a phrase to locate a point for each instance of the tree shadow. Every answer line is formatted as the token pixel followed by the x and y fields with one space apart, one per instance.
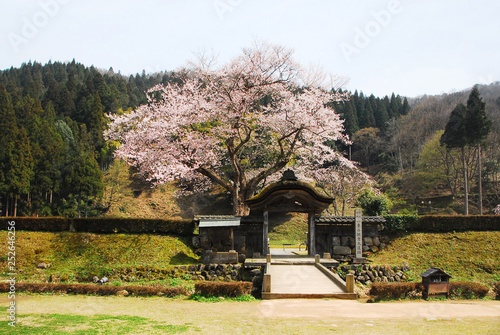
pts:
pixel 205 203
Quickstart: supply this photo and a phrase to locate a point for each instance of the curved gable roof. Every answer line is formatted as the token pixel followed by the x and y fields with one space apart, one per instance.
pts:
pixel 289 195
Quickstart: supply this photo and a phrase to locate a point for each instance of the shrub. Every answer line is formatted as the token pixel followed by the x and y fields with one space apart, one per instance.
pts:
pixel 94 289
pixel 374 205
pixel 468 290
pixel 446 223
pixel 441 223
pixel 228 289
pixel 398 222
pixel 395 290
pixel 496 290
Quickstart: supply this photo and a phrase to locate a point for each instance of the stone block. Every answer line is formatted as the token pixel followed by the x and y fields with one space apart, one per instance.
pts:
pixel 376 241
pixel 336 241
pixel 347 241
pixel 368 241
pixel 341 250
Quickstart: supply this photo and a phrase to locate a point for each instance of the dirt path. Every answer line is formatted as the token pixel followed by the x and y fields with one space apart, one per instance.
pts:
pixel 274 317
pixel 351 309
pixel 158 308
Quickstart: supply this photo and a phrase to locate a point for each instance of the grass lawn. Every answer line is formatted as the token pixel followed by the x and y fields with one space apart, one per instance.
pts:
pixel 469 256
pixel 130 315
pixel 77 257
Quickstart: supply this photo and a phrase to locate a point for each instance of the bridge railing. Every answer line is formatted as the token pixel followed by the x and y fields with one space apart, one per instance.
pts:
pixel 266 284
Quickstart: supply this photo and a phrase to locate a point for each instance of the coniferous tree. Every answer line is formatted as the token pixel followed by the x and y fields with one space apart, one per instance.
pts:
pixel 350 117
pixel 478 128
pixel 405 109
pixel 9 130
pixel 380 115
pixel 22 167
pixel 454 136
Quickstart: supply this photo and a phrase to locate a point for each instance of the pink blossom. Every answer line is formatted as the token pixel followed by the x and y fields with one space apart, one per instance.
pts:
pixel 236 126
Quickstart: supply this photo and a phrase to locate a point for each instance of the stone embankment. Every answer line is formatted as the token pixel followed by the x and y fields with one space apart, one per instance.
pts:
pixel 367 274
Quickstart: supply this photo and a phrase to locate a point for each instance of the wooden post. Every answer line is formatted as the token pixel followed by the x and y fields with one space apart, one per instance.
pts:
pixel 312 234
pixel 265 233
pixel 232 239
pixel 349 283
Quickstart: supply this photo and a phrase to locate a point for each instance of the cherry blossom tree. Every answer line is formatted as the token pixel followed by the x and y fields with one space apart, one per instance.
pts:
pixel 236 125
pixel 343 183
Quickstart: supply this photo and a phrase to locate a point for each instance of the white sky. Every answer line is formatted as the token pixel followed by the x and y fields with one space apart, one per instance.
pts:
pixel 383 46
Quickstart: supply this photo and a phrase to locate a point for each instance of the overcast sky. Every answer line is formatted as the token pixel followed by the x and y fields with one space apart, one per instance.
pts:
pixel 407 47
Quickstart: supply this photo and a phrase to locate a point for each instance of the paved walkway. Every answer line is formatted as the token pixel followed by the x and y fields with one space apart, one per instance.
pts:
pixel 304 279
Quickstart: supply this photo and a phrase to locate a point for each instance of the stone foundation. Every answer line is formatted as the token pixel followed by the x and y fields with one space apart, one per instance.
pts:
pixel 367 274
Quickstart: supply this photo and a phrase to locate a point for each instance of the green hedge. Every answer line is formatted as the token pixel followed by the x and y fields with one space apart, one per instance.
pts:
pixel 102 225
pixel 396 222
pixel 94 289
pixel 441 223
pixel 395 290
pixel 459 289
pixel 228 289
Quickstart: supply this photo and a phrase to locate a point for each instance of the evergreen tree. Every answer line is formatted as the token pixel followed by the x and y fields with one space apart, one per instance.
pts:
pixel 9 130
pixel 405 109
pixel 478 128
pixel 454 136
pixel 21 172
pixel 350 117
pixel 380 115
pixel 395 106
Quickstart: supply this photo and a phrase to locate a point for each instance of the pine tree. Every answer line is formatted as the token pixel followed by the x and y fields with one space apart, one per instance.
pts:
pixel 9 130
pixel 350 117
pixel 454 136
pixel 478 128
pixel 405 109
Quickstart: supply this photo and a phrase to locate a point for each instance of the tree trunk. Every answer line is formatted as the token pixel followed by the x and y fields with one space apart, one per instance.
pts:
pixel 480 181
pixel 78 205
pixel 7 207
pixel 240 208
pixel 86 206
pixel 15 206
pixel 466 187
pixel 400 159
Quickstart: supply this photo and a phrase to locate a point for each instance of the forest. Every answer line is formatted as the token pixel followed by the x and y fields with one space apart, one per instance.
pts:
pixel 53 154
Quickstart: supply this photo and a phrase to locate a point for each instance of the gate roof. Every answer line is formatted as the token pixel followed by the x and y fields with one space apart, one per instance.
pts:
pixel 289 195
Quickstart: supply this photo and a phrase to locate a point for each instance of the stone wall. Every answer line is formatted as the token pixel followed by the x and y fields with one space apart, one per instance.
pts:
pixel 211 272
pixel 344 246
pixel 338 239
pixel 367 274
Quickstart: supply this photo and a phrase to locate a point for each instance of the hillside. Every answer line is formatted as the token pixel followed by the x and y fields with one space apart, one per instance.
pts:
pixel 80 256
pixel 470 256
pixel 77 257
